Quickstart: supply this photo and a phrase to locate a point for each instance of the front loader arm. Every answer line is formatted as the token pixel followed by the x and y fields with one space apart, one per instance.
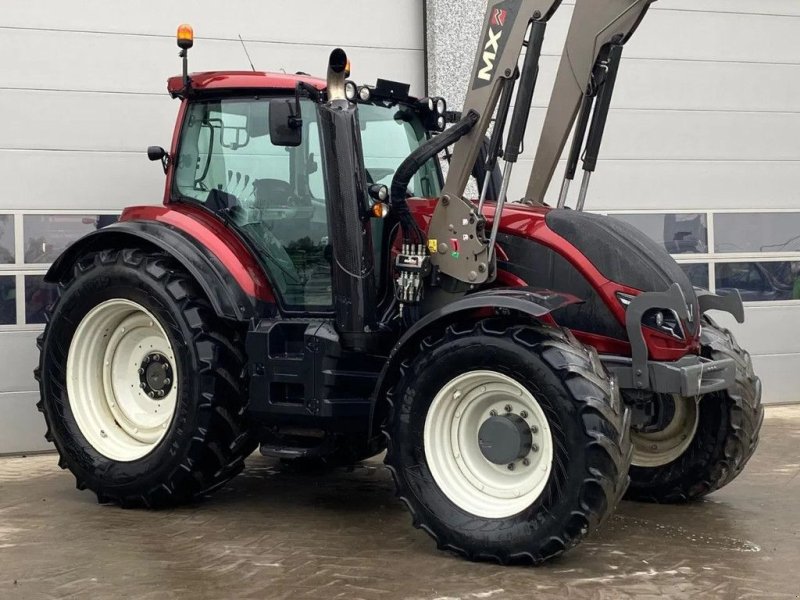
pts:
pixel 505 27
pixel 596 24
pixel 461 248
pixel 457 238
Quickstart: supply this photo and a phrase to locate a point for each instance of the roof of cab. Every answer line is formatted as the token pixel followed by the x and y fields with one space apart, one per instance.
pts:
pixel 234 80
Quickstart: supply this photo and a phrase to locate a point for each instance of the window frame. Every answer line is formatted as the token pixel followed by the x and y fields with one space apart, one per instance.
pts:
pixel 714 258
pixel 19 268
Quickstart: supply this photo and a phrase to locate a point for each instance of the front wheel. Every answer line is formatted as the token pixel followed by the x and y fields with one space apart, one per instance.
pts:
pixel 141 382
pixel 507 442
pixel 707 441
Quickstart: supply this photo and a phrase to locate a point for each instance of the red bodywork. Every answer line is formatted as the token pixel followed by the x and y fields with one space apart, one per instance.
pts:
pixel 518 220
pixel 529 222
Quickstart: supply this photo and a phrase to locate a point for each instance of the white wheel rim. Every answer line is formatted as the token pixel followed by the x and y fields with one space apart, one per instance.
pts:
pixel 111 405
pixel 662 447
pixel 454 456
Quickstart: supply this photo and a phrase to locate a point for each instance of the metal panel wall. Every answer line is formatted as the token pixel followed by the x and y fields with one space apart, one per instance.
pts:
pixel 83 88
pixel 705 117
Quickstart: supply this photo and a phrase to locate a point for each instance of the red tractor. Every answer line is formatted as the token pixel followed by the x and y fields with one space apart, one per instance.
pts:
pixel 313 286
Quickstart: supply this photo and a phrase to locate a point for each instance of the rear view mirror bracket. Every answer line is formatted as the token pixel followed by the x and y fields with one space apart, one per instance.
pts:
pixel 158 153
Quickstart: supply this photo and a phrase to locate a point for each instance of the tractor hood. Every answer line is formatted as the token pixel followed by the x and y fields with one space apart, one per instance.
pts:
pixel 618 251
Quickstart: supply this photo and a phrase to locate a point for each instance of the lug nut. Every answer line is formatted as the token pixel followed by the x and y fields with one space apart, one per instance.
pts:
pixel 535 448
pixel 165 366
pixel 524 414
pixel 526 462
pixel 508 408
pixel 141 371
pixel 152 394
pixel 511 467
pixel 160 393
pixel 492 413
pixel 143 385
pixel 167 381
pixel 534 429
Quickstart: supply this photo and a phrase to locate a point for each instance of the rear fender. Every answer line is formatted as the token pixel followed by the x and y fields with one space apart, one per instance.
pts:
pixel 223 291
pixel 530 302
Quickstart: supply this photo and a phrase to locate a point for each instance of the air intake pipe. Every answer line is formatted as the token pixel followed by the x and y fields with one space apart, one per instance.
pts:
pixel 352 266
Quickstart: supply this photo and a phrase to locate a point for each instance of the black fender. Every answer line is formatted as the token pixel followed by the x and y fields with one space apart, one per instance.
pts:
pixel 532 302
pixel 226 296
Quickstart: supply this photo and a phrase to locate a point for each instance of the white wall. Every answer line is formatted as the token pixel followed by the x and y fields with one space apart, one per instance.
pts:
pixel 83 91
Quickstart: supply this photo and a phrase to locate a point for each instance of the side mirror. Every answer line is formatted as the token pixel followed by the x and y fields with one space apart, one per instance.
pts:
pixel 158 153
pixel 285 123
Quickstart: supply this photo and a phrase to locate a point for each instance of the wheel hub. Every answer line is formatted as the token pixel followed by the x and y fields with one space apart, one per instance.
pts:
pixel 504 439
pixel 488 444
pixel 671 438
pixel 155 375
pixel 122 379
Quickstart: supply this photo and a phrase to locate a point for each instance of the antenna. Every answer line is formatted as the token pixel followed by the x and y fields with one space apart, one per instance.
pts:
pixel 246 53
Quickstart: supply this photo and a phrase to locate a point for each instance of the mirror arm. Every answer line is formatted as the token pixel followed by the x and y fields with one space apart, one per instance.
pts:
pixel 296 122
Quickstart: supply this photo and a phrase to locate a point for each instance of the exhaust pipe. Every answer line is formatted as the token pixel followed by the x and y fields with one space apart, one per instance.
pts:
pixel 353 269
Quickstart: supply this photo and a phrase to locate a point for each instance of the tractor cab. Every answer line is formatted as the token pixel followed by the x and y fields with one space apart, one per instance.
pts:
pixel 248 148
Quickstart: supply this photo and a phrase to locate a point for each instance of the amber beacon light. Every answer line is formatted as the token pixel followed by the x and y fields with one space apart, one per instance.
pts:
pixel 185 36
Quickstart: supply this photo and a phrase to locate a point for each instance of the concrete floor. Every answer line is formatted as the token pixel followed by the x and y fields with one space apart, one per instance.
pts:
pixel 271 534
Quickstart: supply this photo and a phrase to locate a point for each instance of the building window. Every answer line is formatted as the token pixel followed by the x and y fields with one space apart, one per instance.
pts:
pixel 697 274
pixel 756 232
pixel 29 243
pixel 47 236
pixel 7 252
pixel 678 233
pixel 8 299
pixel 38 297
pixel 760 281
pixel 757 253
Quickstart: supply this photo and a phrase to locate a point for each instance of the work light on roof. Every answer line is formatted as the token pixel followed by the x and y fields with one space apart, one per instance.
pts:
pixel 351 91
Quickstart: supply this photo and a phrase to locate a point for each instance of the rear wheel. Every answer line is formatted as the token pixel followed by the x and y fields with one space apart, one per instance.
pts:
pixel 708 441
pixel 141 382
pixel 507 442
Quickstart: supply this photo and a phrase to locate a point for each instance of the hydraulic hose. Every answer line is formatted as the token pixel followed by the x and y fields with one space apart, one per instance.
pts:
pixel 409 167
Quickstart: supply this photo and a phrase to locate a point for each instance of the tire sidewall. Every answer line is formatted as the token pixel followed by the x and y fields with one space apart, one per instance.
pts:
pixel 715 455
pixel 416 390
pixel 98 284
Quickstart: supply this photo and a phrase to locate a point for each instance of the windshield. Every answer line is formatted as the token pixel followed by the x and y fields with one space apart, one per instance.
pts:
pixel 389 135
pixel 276 195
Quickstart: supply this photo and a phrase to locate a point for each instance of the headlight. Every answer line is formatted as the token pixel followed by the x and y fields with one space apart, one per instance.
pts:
pixel 662 320
pixel 441 106
pixel 365 94
pixel 665 321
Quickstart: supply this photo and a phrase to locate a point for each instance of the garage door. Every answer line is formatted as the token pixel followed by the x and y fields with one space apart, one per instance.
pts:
pixel 82 88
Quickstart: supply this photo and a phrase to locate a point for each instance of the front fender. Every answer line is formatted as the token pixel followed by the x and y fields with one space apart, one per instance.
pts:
pixel 226 296
pixel 531 302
